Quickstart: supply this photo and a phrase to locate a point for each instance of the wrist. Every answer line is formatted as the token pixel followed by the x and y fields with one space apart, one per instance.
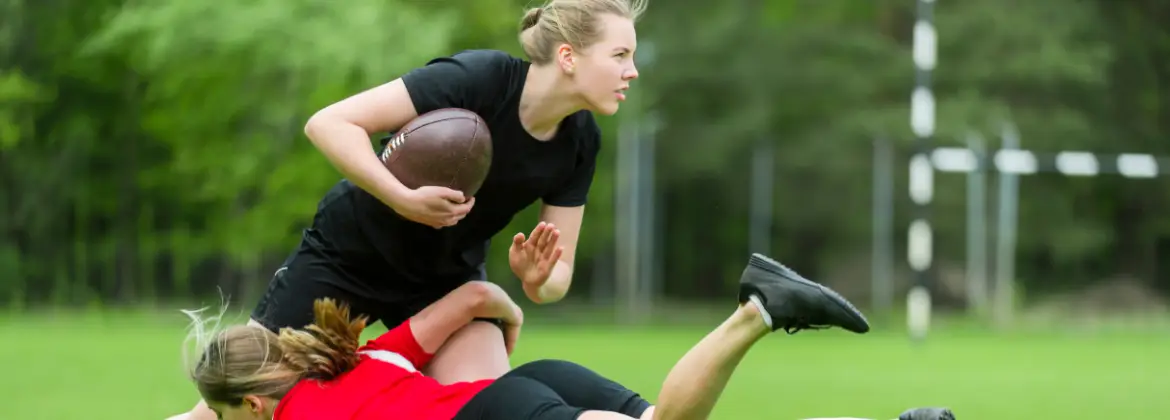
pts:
pixel 533 292
pixel 392 192
pixel 516 317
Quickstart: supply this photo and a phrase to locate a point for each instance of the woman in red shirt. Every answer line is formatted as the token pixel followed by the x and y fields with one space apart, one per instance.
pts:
pixel 321 373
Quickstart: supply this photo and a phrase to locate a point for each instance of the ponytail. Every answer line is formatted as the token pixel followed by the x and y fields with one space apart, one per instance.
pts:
pixel 569 21
pixel 328 347
pixel 531 18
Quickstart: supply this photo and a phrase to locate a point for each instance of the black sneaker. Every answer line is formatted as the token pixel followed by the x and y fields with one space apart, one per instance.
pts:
pixel 931 413
pixel 795 303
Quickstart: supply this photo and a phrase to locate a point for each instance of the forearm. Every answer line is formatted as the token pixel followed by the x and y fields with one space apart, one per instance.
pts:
pixel 476 299
pixel 347 147
pixel 555 288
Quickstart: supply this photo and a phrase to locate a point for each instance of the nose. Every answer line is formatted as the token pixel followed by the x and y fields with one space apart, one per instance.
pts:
pixel 630 73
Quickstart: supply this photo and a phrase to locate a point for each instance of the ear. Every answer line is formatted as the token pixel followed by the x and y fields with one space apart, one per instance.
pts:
pixel 566 58
pixel 254 404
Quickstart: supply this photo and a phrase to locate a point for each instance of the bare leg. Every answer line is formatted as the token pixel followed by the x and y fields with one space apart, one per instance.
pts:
pixel 474 352
pixel 772 298
pixel 698 379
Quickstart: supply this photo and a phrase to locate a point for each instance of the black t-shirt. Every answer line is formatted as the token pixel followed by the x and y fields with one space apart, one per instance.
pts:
pixel 376 243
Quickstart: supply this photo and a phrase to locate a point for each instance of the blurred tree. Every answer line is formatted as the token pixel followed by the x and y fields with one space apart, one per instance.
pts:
pixel 155 148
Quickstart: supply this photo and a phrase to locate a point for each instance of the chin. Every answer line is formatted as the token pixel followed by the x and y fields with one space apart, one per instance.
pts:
pixel 606 105
pixel 606 109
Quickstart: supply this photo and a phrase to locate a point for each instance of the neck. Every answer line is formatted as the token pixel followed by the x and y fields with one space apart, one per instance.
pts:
pixel 270 409
pixel 544 102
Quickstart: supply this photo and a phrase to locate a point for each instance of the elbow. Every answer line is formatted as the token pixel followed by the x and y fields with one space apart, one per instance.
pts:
pixel 324 122
pixel 559 282
pixel 478 295
pixel 313 126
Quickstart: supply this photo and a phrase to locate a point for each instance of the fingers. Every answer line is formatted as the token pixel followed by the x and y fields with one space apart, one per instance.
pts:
pixel 446 221
pixel 461 209
pixel 544 236
pixel 537 239
pixel 540 246
pixel 511 336
pixel 457 210
pixel 442 222
pixel 512 332
pixel 450 213
pixel 548 242
pixel 549 245
pixel 451 195
pixel 542 240
pixel 518 314
pixel 549 258
pixel 536 232
pixel 556 254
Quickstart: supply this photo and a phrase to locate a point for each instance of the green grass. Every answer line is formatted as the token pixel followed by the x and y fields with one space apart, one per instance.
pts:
pixel 99 367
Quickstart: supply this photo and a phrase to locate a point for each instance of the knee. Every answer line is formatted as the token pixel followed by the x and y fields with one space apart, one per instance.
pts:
pixel 538 368
pixel 511 388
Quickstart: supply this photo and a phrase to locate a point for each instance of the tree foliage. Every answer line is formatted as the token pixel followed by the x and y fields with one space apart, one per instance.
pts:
pixel 154 149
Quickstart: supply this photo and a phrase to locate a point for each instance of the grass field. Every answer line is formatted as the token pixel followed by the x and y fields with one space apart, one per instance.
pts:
pixel 99 367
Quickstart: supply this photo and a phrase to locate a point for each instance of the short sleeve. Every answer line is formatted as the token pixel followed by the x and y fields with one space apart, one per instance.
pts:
pixel 574 192
pixel 401 340
pixel 467 80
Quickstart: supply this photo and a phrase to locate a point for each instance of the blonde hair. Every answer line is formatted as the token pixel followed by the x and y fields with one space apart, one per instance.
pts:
pixel 251 360
pixel 573 22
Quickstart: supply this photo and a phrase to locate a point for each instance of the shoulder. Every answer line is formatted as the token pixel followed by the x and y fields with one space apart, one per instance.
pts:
pixel 487 58
pixel 483 62
pixel 469 79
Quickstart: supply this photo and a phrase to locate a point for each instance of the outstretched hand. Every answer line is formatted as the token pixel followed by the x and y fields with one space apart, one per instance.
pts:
pixel 533 259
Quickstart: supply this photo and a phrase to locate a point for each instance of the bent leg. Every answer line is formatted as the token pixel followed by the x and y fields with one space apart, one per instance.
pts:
pixel 514 398
pixel 474 352
pixel 689 392
pixel 582 387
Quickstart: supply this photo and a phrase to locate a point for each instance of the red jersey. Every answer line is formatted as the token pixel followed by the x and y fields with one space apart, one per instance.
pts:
pixel 385 384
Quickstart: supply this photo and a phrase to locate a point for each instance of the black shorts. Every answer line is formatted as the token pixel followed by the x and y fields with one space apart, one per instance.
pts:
pixel 309 275
pixel 551 390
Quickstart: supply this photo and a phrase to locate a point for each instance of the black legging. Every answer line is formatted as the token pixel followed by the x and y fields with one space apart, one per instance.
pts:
pixel 551 390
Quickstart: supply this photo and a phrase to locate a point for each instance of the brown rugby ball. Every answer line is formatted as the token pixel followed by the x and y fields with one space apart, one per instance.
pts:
pixel 449 147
